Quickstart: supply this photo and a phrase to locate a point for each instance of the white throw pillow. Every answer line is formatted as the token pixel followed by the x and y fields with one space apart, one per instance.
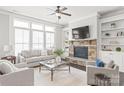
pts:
pixel 26 54
pixel 44 53
pixel 49 52
pixel 7 67
pixel 110 64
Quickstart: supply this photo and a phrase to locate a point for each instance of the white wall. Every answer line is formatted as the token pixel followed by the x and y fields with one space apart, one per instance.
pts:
pixel 58 38
pixel 90 21
pixel 4 32
pixel 7 32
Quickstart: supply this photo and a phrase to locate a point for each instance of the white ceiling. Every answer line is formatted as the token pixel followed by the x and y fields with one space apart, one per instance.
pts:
pixel 42 12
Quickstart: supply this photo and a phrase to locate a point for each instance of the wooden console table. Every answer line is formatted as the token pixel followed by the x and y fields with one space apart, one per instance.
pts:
pixel 10 58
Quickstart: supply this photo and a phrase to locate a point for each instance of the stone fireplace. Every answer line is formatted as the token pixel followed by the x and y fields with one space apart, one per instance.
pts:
pixel 81 51
pixel 86 46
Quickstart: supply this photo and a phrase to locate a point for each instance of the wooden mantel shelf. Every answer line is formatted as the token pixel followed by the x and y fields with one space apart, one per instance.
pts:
pixel 75 40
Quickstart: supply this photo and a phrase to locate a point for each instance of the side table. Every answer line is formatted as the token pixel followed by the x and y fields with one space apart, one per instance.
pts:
pixel 10 58
pixel 102 80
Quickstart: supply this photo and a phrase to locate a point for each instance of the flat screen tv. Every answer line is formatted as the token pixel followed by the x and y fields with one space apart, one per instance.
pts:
pixel 81 32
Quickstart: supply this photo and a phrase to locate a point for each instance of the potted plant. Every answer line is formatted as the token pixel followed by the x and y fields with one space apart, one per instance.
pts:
pixel 58 53
pixel 118 49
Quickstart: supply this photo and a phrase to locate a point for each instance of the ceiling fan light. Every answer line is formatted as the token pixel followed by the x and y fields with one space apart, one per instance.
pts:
pixel 58 14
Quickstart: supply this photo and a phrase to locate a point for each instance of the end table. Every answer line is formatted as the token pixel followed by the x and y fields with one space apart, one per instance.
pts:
pixel 102 80
pixel 10 58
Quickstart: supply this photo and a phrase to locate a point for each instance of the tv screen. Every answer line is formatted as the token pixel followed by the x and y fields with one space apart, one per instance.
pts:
pixel 81 32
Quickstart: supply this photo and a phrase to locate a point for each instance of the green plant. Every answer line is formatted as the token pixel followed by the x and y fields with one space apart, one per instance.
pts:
pixel 118 49
pixel 58 52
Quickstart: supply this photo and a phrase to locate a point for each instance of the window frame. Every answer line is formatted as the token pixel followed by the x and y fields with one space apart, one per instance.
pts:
pixel 53 32
pixel 37 43
pixel 22 42
pixel 30 44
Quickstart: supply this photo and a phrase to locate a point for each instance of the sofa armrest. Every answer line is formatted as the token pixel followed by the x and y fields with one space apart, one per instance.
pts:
pixel 21 58
pixel 101 68
pixel 23 77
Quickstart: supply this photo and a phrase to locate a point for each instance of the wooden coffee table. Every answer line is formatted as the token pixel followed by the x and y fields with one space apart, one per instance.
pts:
pixel 52 66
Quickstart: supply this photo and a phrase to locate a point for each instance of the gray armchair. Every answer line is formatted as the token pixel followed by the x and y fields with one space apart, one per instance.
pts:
pixel 112 73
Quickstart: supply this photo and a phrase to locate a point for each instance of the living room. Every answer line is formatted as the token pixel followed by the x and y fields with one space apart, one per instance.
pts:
pixel 61 46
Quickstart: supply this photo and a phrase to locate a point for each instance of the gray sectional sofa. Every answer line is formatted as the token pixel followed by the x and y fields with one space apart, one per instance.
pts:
pixel 33 57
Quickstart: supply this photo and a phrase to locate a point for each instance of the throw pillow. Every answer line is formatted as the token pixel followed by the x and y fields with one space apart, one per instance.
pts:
pixel 110 64
pixel 35 53
pixel 50 52
pixel 44 53
pixel 26 54
pixel 7 67
pixel 1 73
pixel 99 63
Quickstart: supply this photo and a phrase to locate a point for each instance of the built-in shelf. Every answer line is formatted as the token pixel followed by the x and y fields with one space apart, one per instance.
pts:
pixel 112 35
pixel 117 37
pixel 120 28
pixel 112 44
pixel 82 39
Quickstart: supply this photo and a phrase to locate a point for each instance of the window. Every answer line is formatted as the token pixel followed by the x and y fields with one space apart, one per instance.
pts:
pixel 50 33
pixel 18 23
pixel 31 35
pixel 37 26
pixel 49 28
pixel 21 40
pixel 38 40
pixel 49 40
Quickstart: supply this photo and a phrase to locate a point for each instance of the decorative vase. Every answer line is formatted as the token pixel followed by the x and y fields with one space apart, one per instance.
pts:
pixel 58 59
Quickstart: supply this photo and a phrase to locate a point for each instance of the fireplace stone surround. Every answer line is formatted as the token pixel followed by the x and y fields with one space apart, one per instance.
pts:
pixel 79 62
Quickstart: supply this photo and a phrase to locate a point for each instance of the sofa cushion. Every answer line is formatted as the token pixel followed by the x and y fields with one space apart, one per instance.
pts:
pixel 33 59
pixel 7 67
pixel 26 53
pixel 49 52
pixel 47 57
pixel 35 53
pixel 44 53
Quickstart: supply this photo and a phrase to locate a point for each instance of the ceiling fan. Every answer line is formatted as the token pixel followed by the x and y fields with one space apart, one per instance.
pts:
pixel 59 11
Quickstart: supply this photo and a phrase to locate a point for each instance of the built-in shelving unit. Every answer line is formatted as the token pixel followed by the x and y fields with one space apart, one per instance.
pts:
pixel 112 35
pixel 112 38
pixel 111 29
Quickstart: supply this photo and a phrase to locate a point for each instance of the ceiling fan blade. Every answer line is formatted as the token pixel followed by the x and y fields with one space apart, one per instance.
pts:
pixel 52 14
pixel 50 9
pixel 66 14
pixel 63 9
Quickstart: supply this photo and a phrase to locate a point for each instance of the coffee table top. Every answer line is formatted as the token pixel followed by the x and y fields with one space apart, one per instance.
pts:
pixel 52 63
